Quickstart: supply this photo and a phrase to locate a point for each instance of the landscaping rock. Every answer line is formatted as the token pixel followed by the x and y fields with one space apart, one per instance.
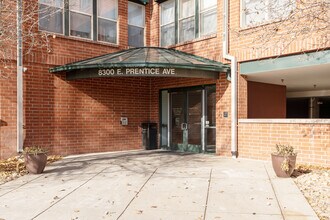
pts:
pixel 314 183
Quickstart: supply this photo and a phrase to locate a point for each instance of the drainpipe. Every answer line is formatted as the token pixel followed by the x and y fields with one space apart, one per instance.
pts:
pixel 233 62
pixel 19 78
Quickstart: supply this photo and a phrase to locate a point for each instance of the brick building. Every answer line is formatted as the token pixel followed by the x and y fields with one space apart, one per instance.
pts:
pixel 73 103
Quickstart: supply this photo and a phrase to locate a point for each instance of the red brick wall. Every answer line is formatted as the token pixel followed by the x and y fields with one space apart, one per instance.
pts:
pixel 7 109
pixel 266 100
pixel 70 117
pixel 257 42
pixel 311 141
pixel 73 116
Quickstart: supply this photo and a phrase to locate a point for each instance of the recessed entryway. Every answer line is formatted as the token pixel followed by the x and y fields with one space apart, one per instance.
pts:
pixel 188 120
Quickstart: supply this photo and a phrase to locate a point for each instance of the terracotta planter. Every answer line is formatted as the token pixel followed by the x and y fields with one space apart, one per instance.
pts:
pixel 278 160
pixel 35 163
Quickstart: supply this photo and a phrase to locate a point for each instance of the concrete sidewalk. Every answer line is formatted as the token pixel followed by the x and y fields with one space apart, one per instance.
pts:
pixel 153 185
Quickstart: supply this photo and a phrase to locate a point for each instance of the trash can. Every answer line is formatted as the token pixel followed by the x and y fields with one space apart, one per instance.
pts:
pixel 149 135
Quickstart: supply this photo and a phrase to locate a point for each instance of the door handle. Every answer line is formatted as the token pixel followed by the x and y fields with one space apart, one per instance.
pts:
pixel 184 126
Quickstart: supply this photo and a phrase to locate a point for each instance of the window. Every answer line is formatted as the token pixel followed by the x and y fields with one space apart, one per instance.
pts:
pixel 107 20
pixel 208 17
pixel 191 19
pixel 136 20
pixel 89 19
pixel 256 12
pixel 51 15
pixel 81 13
pixel 167 23
pixel 186 20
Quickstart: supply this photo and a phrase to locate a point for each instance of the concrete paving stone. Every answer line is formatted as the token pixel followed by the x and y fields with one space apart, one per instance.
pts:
pixel 160 183
pixel 129 168
pixel 285 186
pixel 295 204
pixel 75 167
pixel 234 216
pixel 182 194
pixel 155 214
pixel 300 217
pixel 106 195
pixel 184 171
pixel 243 203
pixel 245 172
pixel 36 196
pixel 12 185
pixel 241 186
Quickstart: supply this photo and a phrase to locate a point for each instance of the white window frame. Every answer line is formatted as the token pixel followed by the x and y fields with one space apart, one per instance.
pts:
pixel 63 18
pixel 180 19
pixel 108 19
pixel 83 13
pixel 162 25
pixel 144 15
pixel 215 7
pixel 267 21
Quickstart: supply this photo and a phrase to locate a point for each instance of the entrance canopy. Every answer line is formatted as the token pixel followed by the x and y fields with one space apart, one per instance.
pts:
pixel 144 61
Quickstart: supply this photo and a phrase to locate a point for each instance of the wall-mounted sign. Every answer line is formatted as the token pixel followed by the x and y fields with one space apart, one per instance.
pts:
pixel 140 72
pixel 136 71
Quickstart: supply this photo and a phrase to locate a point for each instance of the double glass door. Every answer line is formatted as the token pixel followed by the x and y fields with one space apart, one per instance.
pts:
pixel 188 119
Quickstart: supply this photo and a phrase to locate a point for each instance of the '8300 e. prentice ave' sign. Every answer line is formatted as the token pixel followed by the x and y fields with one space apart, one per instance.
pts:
pixel 136 71
pixel 139 72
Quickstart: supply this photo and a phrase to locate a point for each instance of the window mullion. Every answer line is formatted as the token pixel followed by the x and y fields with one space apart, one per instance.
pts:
pixel 176 20
pixel 196 18
pixel 66 18
pixel 94 22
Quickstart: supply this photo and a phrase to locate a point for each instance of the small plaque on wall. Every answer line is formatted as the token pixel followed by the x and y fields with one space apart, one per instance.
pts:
pixel 225 114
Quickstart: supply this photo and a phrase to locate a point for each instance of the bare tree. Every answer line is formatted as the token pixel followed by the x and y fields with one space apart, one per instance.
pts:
pixel 279 23
pixel 32 37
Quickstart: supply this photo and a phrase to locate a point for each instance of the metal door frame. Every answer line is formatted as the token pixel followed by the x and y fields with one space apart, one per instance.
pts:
pixel 169 112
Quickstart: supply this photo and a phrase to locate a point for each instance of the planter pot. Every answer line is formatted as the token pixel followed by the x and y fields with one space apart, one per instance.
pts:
pixel 35 163
pixel 278 160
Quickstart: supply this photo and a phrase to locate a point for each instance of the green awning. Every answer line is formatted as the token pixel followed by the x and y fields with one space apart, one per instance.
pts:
pixel 144 61
pixel 144 2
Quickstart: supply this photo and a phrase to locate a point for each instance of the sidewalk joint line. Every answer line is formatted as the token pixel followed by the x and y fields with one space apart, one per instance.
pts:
pixel 136 195
pixel 84 183
pixel 271 183
pixel 19 185
pixel 207 195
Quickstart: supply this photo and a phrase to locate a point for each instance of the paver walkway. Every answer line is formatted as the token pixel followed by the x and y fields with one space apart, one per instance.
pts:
pixel 153 185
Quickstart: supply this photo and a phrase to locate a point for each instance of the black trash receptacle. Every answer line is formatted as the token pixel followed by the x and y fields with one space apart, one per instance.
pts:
pixel 149 135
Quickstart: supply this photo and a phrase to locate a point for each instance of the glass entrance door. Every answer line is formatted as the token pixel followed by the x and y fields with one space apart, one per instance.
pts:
pixel 186 108
pixel 178 116
pixel 188 119
pixel 210 119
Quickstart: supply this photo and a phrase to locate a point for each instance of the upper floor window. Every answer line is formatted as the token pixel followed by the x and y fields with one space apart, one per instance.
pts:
pixel 51 15
pixel 255 12
pixel 136 21
pixel 186 20
pixel 81 14
pixel 90 19
pixel 208 17
pixel 107 20
pixel 195 18
pixel 167 23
